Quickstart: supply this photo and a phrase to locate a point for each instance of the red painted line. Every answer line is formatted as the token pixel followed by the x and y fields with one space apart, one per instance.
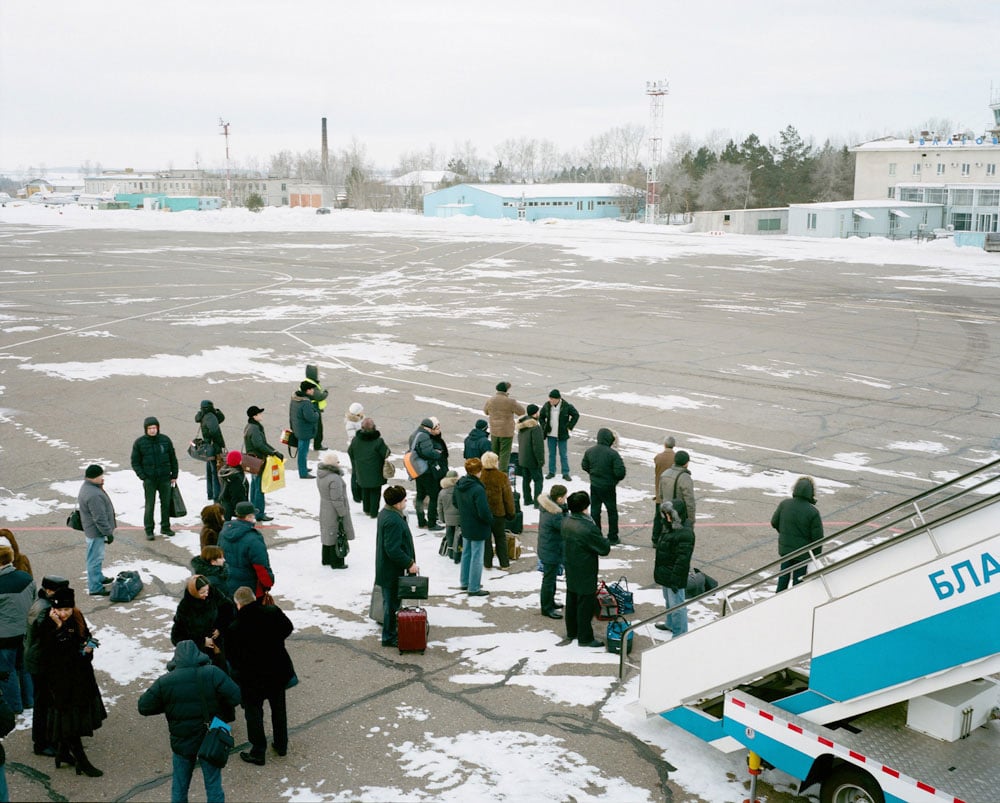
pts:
pixel 890 771
pixel 857 756
pixel 740 703
pixel 767 716
pixel 795 728
pixel 926 787
pixel 824 741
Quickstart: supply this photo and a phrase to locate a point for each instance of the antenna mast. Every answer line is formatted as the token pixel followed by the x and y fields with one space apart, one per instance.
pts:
pixel 655 90
pixel 229 186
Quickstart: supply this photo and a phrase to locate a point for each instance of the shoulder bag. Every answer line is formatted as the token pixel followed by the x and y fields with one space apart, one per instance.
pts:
pixel 75 521
pixel 218 740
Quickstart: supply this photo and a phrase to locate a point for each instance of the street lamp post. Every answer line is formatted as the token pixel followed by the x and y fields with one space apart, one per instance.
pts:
pixel 746 197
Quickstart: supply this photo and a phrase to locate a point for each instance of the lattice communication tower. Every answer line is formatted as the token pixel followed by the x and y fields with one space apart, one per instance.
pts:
pixel 656 91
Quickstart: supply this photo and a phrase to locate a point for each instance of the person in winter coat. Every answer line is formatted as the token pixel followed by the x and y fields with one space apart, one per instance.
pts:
pixel 477 442
pixel 21 562
pixel 255 443
pixel 582 546
pixel 676 483
pixel 448 513
pixel 426 446
pixel 353 418
pixel 210 419
pixel 606 469
pixel 368 453
pixel 394 556
pixel 501 502
pixel 319 397
pixel 564 416
pixel 202 616
pixel 66 655
pixel 245 553
pixel 476 521
pixel 17 594
pixel 263 668
pixel 334 510
pixel 673 562
pixel 98 517
pixel 503 411
pixel 154 462
pixel 798 524
pixel 191 693
pixel 550 546
pixel 211 564
pixel 661 462
pixel 302 419
pixel 211 524
pixel 38 613
pixel 530 454
pixel 235 488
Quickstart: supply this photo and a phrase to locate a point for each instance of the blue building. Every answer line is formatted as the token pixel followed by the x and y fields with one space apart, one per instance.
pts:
pixel 534 201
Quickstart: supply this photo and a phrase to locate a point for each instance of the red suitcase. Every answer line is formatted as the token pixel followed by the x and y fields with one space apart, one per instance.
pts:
pixel 411 624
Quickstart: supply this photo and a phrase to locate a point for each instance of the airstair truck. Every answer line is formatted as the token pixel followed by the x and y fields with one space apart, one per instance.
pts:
pixel 874 676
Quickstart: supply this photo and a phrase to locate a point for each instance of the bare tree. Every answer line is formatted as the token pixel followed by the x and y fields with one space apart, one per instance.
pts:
pixel 724 186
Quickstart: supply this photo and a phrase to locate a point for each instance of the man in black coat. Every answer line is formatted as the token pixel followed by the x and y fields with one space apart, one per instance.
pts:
pixel 155 463
pixel 394 557
pixel 606 469
pixel 530 454
pixel 798 524
pixel 191 694
pixel 582 544
pixel 673 562
pixel 255 646
pixel 558 417
pixel 426 443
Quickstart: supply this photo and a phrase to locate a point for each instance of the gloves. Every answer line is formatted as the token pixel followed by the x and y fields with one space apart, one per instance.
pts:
pixel 279 455
pixel 109 539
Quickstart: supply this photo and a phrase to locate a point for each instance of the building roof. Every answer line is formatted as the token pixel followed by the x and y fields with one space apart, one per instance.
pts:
pixel 979 143
pixel 416 178
pixel 880 203
pixel 535 191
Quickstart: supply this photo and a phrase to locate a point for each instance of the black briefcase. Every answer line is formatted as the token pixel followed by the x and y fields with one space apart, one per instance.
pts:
pixel 413 586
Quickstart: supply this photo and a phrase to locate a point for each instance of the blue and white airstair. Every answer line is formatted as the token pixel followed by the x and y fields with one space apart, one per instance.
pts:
pixel 903 605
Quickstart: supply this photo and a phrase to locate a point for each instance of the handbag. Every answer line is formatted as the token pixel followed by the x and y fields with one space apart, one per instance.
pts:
pixel 341 547
pixel 288 438
pixel 415 465
pixel 218 739
pixel 613 637
pixel 74 520
pixel 607 605
pixel 200 449
pixel 413 586
pixel 251 464
pixel 388 470
pixel 272 478
pixel 513 546
pixel 623 596
pixel 698 583
pixel 375 607
pixel 178 509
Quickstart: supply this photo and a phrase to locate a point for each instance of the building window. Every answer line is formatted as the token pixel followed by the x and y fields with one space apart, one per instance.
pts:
pixel 725 220
pixel 936 195
pixel 911 194
pixel 989 198
pixel 961 197
pixel 891 193
pixel 770 224
pixel 916 169
pixel 940 169
pixel 892 168
pixel 991 170
pixel 579 206
pixel 965 168
pixel 283 188
pixel 590 206
pixel 962 221
pixel 811 220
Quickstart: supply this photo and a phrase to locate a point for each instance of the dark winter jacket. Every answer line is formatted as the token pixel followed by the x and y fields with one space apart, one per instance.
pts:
pixel 246 557
pixel 477 443
pixel 550 539
pixel 302 417
pixel 235 489
pixel 394 551
pixel 255 646
pixel 190 679
pixel 796 519
pixel 75 704
pixel 211 430
pixel 603 463
pixel 218 576
pixel 473 509
pixel 530 443
pixel 368 453
pixel 17 594
pixel 37 614
pixel 582 544
pixel 674 550
pixel 440 466
pixel 198 618
pixel 255 442
pixel 567 418
pixel 153 457
pixel 96 511
pixel 424 446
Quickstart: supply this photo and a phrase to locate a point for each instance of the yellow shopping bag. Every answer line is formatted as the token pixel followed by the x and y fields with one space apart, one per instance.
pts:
pixel 273 476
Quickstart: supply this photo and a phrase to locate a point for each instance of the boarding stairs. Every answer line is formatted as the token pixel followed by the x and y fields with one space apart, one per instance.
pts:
pixel 901 604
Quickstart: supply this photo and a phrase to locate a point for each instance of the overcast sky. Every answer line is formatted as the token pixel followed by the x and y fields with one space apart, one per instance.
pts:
pixel 143 85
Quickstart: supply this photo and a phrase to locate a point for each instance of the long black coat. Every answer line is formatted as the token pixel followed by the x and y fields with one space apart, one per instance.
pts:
pixel 797 520
pixel 197 618
pixel 582 544
pixel 211 430
pixel 602 462
pixel 255 646
pixel 673 556
pixel 190 679
pixel 368 453
pixel 394 551
pixel 75 704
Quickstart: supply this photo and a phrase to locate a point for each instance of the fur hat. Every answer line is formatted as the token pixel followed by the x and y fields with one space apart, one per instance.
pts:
pixel 93 471
pixel 482 423
pixel 253 410
pixel 355 409
pixel 305 385
pixel 329 459
pixel 557 492
pixel 532 409
pixel 473 465
pixel 394 494
pixel 681 458
pixel 554 394
pixel 53 583
pixel 233 459
pixel 63 598
pixel 578 501
pixel 244 509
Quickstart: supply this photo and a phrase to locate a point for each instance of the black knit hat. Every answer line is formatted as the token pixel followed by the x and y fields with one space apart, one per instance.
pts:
pixel 394 494
pixel 503 387
pixel 93 471
pixel 681 458
pixel 532 409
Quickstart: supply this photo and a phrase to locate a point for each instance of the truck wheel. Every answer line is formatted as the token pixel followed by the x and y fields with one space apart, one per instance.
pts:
pixel 849 784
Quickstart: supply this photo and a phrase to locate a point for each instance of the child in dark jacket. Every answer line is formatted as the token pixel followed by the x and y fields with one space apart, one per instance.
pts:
pixel 235 487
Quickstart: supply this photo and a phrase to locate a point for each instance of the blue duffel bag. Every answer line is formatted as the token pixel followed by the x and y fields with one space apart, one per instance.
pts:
pixel 125 587
pixel 613 640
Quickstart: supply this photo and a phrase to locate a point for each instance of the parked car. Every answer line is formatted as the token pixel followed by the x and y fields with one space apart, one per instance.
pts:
pixel 323 210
